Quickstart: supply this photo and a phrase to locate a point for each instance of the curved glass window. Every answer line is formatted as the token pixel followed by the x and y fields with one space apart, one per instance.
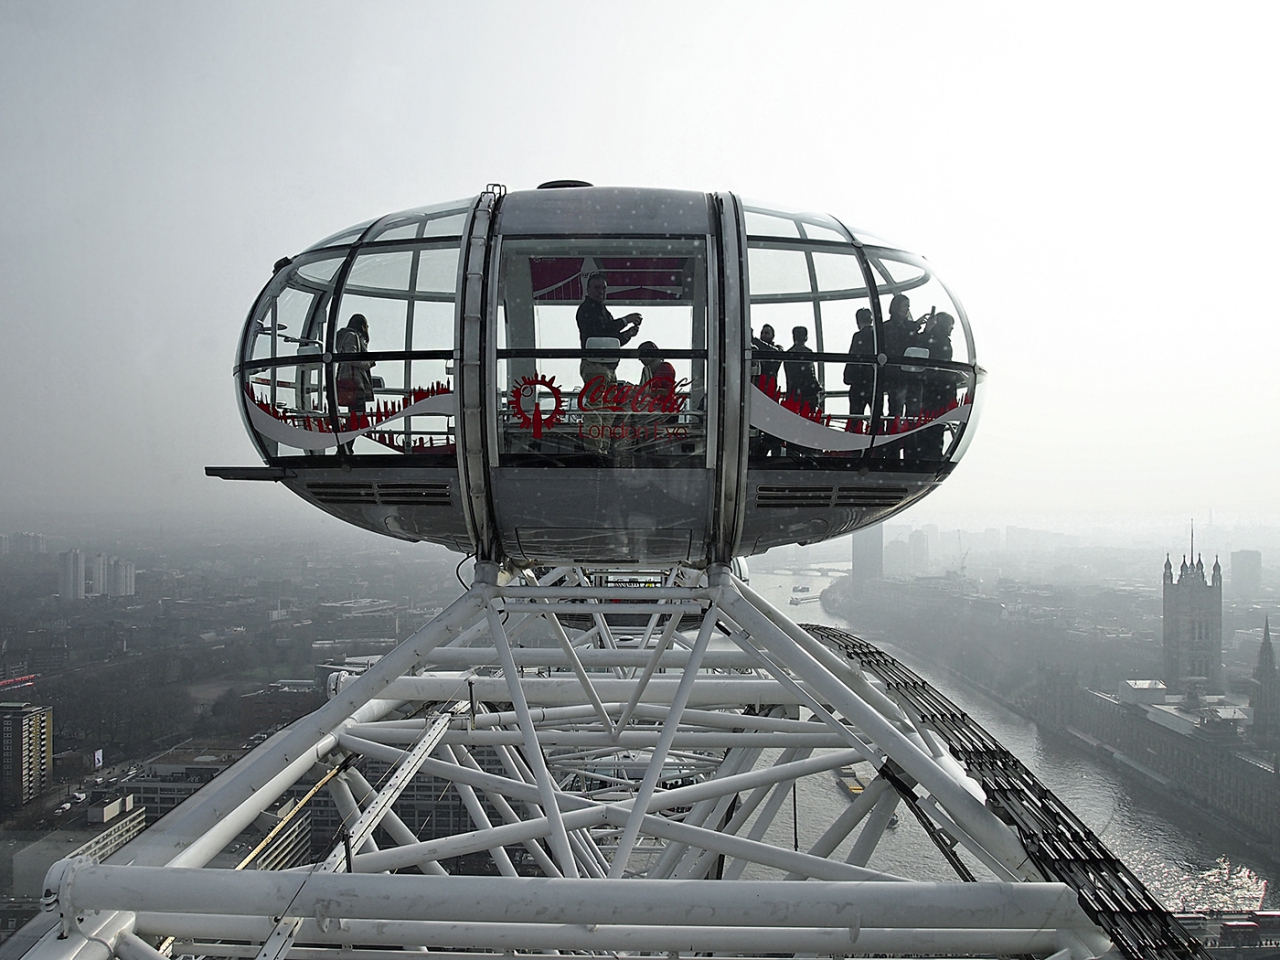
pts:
pixel 601 352
pixel 282 371
pixel 836 375
pixel 437 220
pixel 342 237
pixel 813 339
pixel 925 403
pixel 763 221
pixel 404 358
pixel 375 327
pixel 910 277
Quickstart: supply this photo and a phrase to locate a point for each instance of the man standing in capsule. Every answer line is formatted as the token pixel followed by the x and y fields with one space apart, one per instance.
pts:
pixel 596 322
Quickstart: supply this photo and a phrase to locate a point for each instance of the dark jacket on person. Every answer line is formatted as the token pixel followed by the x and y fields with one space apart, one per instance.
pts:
pixel 802 381
pixel 595 320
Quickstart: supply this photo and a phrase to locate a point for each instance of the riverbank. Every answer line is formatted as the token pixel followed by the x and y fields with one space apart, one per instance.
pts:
pixel 1068 749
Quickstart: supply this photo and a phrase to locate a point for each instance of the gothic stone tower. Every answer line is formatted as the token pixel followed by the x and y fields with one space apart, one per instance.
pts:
pixel 1192 627
pixel 1264 698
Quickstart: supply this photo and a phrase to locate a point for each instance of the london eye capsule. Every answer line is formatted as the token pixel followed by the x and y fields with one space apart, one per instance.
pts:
pixel 606 375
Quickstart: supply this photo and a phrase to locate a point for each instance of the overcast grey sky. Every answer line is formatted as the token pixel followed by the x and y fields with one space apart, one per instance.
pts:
pixel 1097 182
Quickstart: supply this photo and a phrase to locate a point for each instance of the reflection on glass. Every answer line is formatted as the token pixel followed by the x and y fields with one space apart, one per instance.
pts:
pixel 347 236
pixel 287 408
pixel 766 222
pixel 936 407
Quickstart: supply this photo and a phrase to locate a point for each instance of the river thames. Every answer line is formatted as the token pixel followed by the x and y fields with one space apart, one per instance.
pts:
pixel 1186 862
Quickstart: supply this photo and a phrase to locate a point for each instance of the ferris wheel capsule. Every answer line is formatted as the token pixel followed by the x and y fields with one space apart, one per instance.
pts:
pixel 607 375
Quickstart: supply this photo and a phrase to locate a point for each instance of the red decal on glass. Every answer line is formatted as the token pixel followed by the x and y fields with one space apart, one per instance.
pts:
pixel 659 395
pixel 525 403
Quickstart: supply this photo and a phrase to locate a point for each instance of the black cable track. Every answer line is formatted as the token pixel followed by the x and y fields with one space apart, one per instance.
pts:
pixel 1059 843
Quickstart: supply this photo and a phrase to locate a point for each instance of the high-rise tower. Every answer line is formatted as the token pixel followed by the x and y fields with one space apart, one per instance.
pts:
pixel 26 753
pixel 1246 573
pixel 1192 627
pixel 71 575
pixel 868 555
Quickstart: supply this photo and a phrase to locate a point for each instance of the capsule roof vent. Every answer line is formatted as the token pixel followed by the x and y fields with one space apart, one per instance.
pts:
pixel 557 184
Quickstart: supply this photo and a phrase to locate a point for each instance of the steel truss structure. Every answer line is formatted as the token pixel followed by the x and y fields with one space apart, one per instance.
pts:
pixel 626 744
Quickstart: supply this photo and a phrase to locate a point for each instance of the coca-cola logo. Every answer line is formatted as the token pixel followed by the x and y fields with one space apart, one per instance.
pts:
pixel 657 395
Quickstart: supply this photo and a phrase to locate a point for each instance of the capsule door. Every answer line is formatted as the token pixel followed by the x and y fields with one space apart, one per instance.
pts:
pixel 602 390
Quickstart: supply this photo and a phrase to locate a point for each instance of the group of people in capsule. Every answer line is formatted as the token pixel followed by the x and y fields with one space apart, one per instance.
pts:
pixel 905 392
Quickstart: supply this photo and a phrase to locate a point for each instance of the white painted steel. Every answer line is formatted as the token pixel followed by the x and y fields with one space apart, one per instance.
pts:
pixel 132 947
pixel 538 762
pixel 564 690
pixel 716 941
pixel 582 901
pixel 654 770
pixel 626 775
pixel 995 836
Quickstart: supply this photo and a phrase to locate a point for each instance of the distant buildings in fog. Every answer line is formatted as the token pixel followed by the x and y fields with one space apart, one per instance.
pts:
pixel 868 554
pixel 909 551
pixel 22 543
pixel 1246 573
pixel 100 575
pixel 903 551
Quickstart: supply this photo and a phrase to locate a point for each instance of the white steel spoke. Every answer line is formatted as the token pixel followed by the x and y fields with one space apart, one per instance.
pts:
pixel 559 840
pixel 664 641
pixel 874 828
pixel 481 819
pixel 567 646
pixel 505 809
pixel 659 757
pixel 392 823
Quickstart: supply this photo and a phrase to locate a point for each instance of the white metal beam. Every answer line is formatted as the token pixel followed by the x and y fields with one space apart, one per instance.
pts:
pixel 582 901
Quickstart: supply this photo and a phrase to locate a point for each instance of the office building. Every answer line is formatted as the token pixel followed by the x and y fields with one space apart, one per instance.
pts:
pixel 1246 573
pixel 98 837
pixel 95 572
pixel 120 578
pixel 919 543
pixel 26 752
pixel 29 543
pixel 868 554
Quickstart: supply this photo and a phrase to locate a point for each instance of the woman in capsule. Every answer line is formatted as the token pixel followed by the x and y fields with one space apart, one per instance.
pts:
pixel 355 385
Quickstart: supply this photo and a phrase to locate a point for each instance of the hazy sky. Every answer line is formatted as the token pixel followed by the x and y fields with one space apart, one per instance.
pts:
pixel 1096 182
